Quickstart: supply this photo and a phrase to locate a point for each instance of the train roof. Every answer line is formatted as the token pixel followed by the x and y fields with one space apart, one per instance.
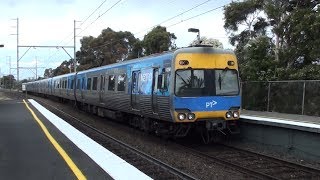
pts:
pixel 164 55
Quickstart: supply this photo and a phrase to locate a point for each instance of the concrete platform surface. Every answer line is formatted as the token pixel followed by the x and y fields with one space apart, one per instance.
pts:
pixel 26 152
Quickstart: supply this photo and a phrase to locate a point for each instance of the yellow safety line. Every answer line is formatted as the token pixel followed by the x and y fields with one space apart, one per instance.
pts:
pixel 64 155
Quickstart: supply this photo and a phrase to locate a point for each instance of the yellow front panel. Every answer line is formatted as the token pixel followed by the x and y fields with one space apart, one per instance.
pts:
pixel 206 115
pixel 206 61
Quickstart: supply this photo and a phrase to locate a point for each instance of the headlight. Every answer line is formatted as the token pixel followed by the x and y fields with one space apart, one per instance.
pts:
pixel 229 114
pixel 235 114
pixel 181 116
pixel 191 116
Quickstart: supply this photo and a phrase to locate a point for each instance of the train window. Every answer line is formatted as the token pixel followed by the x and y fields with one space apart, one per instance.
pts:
pixel 226 82
pixel 71 84
pixel 121 82
pixel 135 81
pixel 83 86
pixel 210 82
pixel 155 79
pixel 94 83
pixel 89 84
pixel 65 84
pixel 111 84
pixel 78 84
pixel 163 82
pixel 102 83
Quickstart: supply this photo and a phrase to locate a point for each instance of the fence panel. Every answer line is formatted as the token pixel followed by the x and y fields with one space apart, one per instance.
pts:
pixel 293 97
pixel 255 96
pixel 312 98
pixel 286 97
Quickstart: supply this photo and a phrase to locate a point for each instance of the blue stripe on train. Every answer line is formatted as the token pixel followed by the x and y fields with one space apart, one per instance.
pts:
pixel 213 103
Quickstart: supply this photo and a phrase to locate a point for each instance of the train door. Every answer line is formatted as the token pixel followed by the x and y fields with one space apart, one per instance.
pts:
pixel 155 90
pixel 101 89
pixel 135 100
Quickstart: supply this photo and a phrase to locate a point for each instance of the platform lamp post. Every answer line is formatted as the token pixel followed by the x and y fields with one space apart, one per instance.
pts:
pixel 195 31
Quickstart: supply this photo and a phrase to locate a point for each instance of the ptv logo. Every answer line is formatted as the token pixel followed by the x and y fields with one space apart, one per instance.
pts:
pixel 210 104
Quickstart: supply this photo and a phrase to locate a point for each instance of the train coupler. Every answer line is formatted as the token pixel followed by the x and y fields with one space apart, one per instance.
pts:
pixel 233 127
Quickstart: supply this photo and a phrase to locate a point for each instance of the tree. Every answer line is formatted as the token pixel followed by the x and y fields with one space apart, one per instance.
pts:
pixel 109 47
pixel 64 68
pixel 158 40
pixel 294 26
pixel 8 81
pixel 208 41
pixel 259 64
pixel 48 73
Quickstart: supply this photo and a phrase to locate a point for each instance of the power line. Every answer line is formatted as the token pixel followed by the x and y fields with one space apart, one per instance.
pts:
pixel 196 16
pixel 187 19
pixel 83 21
pixel 99 17
pixel 175 16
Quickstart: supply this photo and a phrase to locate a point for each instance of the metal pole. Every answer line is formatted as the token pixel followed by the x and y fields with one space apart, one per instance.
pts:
pixel 303 97
pixel 74 47
pixel 10 73
pixel 269 87
pixel 36 68
pixel 18 49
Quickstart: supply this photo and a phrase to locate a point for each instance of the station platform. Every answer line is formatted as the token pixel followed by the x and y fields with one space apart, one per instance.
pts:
pixel 35 144
pixel 287 134
pixel 292 121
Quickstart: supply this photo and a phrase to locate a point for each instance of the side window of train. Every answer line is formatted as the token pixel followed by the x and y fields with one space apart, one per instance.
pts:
pixel 102 82
pixel 78 83
pixel 121 82
pixel 71 84
pixel 155 79
pixel 135 81
pixel 111 84
pixel 89 84
pixel 83 87
pixel 94 83
pixel 163 81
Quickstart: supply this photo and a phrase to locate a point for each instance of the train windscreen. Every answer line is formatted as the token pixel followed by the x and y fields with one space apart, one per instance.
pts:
pixel 206 82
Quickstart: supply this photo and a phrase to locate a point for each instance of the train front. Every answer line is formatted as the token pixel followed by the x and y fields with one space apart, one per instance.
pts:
pixel 207 91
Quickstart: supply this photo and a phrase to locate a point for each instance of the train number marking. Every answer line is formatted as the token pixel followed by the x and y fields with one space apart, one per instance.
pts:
pixel 210 104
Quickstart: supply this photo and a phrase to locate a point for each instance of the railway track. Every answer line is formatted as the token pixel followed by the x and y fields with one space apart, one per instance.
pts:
pixel 253 164
pixel 144 162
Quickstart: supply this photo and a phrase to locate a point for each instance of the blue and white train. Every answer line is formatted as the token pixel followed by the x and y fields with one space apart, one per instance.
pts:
pixel 168 93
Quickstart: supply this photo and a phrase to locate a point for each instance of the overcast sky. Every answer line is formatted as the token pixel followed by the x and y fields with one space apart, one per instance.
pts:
pixel 50 22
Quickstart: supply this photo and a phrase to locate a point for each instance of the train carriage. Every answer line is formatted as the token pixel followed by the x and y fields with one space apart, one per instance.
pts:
pixel 168 93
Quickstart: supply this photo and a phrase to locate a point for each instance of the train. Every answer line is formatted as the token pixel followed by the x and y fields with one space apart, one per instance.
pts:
pixel 171 93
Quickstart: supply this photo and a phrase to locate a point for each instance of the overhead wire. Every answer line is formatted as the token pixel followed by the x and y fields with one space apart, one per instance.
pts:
pixel 167 20
pixel 100 16
pixel 196 16
pixel 184 20
pixel 82 22
pixel 175 16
